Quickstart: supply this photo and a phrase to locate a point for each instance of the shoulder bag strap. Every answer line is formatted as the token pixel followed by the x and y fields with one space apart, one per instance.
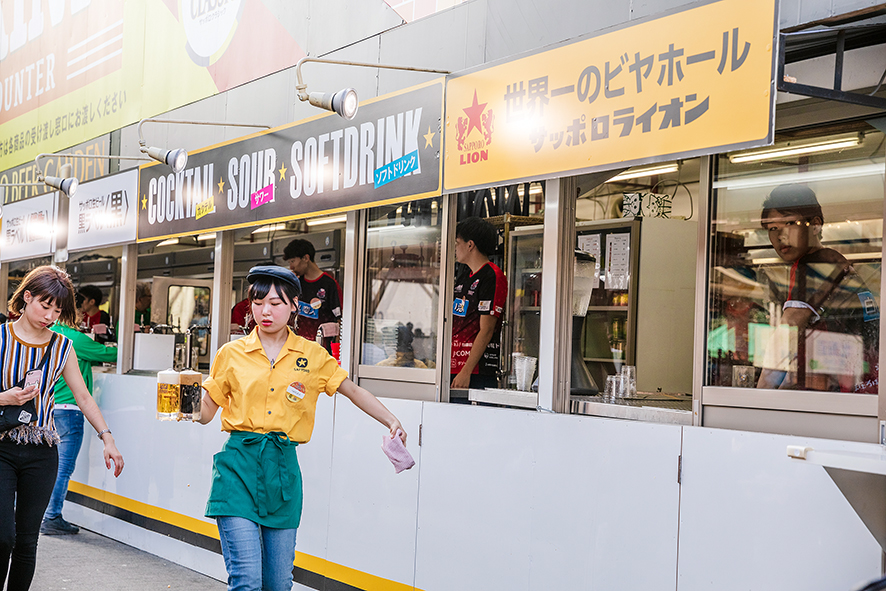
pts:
pixel 47 354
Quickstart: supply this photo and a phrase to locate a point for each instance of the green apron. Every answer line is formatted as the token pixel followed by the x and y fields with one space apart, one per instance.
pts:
pixel 256 476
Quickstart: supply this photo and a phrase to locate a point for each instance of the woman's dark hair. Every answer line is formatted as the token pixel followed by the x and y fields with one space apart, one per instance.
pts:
pixel 259 290
pixel 47 283
pixel 792 199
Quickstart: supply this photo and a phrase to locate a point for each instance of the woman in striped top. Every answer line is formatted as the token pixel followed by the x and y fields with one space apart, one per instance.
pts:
pixel 28 453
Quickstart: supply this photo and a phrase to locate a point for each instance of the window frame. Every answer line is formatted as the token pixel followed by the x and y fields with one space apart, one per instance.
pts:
pixel 800 412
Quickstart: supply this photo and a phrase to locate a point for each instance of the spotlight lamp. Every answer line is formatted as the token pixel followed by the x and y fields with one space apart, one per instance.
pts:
pixel 344 102
pixel 177 158
pixel 67 185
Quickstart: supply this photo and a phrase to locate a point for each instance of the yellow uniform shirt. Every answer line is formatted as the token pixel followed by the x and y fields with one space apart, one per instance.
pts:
pixel 259 397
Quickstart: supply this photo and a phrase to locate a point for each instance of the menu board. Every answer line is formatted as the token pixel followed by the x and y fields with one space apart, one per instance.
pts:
pixel 28 228
pixel 618 261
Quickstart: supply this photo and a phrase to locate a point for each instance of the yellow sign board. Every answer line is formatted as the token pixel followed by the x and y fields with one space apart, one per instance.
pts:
pixel 693 82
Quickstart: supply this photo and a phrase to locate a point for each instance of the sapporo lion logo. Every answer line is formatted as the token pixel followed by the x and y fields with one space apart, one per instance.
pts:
pixel 475 148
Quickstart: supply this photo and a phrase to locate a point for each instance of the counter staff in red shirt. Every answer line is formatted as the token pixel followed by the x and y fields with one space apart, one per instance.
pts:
pixel 478 305
pixel 319 307
pixel 88 299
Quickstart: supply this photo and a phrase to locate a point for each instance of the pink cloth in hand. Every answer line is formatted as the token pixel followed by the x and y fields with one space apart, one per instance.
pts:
pixel 397 452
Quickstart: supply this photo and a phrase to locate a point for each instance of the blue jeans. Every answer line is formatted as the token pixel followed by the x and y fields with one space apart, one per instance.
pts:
pixel 69 424
pixel 257 558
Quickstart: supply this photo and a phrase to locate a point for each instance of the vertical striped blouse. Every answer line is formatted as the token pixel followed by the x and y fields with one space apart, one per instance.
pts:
pixel 17 358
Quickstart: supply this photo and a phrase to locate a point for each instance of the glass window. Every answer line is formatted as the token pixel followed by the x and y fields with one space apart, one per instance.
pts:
pixel 402 285
pixel 634 223
pixel 797 237
pixel 497 295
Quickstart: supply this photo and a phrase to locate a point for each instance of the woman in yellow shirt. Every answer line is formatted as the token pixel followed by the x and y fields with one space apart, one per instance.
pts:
pixel 267 385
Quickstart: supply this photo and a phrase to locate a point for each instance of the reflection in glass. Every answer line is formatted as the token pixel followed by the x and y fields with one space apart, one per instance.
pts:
pixel 795 277
pixel 188 306
pixel 402 285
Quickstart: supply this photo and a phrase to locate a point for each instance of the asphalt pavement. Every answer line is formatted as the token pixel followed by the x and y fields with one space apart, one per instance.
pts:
pixel 90 562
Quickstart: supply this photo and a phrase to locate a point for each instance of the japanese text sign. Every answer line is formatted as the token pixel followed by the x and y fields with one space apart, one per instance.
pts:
pixel 103 212
pixel 28 228
pixel 389 152
pixel 688 83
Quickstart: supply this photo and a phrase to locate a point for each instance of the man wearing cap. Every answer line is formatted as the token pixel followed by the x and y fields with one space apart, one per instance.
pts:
pixel 267 385
pixel 320 303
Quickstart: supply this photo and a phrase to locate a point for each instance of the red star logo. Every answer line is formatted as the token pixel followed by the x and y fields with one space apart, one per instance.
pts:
pixel 474 112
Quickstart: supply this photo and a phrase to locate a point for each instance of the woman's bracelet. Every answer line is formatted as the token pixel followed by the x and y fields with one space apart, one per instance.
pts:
pixel 102 432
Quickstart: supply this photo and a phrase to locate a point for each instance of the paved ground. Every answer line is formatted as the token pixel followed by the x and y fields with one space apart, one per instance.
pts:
pixel 90 562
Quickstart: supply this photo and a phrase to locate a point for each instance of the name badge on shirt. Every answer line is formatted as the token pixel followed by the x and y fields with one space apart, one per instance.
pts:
pixel 295 391
pixel 460 307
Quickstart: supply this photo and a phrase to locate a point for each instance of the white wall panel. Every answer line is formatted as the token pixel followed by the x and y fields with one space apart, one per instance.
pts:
pixel 605 504
pixel 529 501
pixel 788 13
pixel 267 101
pixel 315 461
pixel 474 519
pixel 372 510
pixel 335 77
pixel 338 23
pixel 167 464
pixel 513 27
pixel 450 40
pixel 752 518
pixel 644 8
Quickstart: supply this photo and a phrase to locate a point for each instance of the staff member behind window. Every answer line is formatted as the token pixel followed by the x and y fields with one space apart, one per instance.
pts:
pixel 829 332
pixel 95 320
pixel 319 307
pixel 142 304
pixel 478 304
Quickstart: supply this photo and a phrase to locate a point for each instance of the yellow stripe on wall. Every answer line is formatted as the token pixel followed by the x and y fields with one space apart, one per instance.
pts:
pixel 348 576
pixel 331 570
pixel 171 517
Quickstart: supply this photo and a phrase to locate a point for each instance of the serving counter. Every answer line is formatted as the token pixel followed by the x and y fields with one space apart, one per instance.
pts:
pixel 483 507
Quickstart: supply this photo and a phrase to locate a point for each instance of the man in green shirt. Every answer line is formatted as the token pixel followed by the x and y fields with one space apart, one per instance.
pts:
pixel 69 424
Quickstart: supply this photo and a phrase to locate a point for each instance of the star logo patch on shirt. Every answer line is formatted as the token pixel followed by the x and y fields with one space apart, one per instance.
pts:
pixel 301 363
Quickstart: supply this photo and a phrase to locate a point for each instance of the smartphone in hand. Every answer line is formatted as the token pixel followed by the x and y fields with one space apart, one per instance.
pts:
pixel 34 378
